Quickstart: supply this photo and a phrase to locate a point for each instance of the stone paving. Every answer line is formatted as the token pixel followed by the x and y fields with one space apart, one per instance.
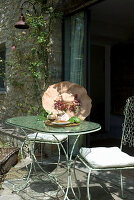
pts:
pixel 104 186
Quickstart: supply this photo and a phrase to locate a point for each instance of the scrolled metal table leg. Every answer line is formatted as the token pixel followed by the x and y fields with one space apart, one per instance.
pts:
pixel 26 178
pixel 76 178
pixel 69 165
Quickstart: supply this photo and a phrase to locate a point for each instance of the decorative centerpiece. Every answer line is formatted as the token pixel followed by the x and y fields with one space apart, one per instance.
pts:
pixel 65 100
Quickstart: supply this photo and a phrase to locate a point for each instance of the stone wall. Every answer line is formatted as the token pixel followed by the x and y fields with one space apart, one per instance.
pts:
pixel 9 101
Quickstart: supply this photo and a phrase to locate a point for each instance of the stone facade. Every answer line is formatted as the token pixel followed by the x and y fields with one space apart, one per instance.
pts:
pixel 9 101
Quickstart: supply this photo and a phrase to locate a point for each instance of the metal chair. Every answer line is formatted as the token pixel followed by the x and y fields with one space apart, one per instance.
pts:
pixel 47 138
pixel 40 138
pixel 112 158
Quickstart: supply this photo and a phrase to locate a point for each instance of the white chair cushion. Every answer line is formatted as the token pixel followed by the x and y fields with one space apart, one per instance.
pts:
pixel 106 157
pixel 47 137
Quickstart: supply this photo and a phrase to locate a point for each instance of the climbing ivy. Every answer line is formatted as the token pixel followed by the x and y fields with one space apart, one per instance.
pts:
pixel 29 64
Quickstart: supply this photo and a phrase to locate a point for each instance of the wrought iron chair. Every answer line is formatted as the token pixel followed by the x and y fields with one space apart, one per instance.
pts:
pixel 44 138
pixel 112 158
pixel 40 138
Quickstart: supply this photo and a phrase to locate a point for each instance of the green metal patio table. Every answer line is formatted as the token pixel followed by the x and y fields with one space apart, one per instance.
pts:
pixel 33 123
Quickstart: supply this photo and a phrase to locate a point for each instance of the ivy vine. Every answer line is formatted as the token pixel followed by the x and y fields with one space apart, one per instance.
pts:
pixel 29 64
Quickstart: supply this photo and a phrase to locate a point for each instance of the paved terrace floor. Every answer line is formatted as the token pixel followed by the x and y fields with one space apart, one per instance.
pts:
pixel 103 186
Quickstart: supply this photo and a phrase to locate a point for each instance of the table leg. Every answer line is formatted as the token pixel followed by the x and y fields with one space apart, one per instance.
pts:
pixel 15 186
pixel 69 163
pixel 53 178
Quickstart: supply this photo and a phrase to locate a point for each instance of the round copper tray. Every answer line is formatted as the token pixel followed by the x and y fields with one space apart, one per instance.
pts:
pixel 49 123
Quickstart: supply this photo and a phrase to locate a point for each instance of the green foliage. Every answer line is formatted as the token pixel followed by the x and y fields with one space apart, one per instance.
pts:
pixel 74 119
pixel 43 115
pixel 30 57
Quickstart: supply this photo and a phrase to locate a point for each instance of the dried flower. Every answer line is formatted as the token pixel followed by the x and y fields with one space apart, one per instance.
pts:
pixel 13 47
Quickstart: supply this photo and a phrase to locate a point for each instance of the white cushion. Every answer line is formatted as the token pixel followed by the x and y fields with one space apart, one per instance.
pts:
pixel 47 137
pixel 106 157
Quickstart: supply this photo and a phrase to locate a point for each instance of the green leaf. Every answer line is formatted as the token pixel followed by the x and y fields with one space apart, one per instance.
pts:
pixel 43 115
pixel 74 119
